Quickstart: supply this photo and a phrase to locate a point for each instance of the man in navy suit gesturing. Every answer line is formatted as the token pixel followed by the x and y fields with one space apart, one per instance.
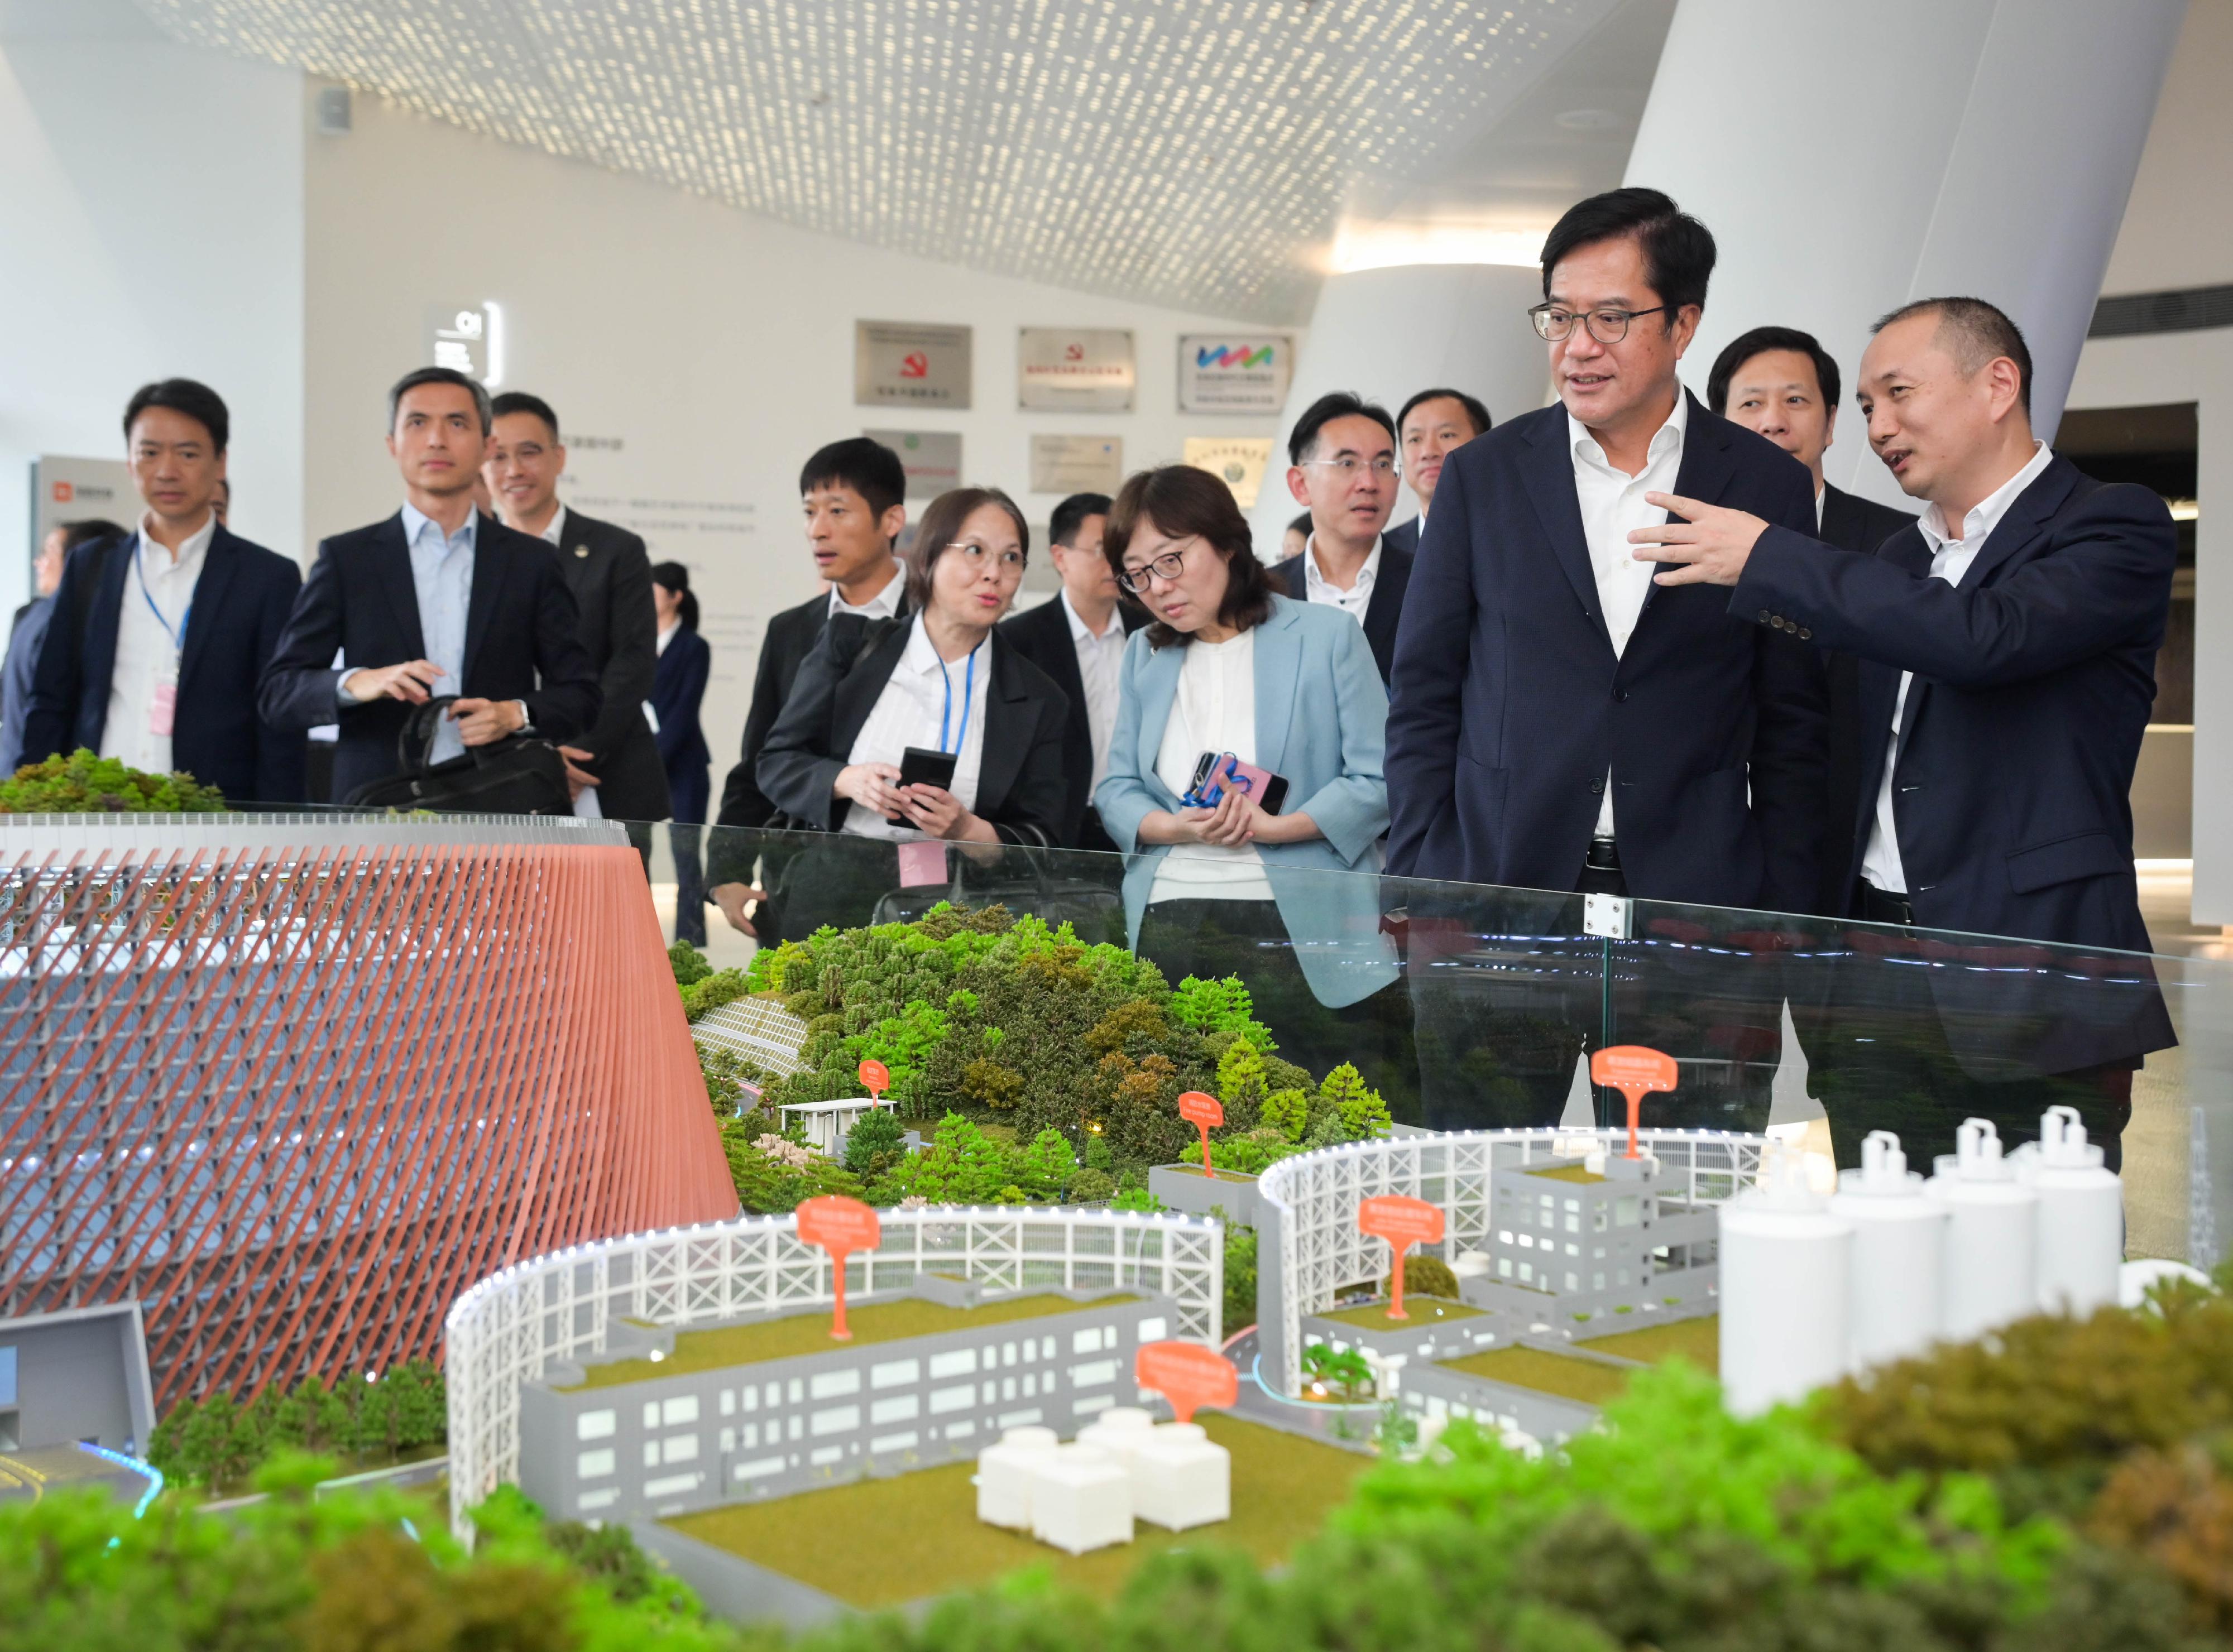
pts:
pixel 1555 721
pixel 2008 641
pixel 437 600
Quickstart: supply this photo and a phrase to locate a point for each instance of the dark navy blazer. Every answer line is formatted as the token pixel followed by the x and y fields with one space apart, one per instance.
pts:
pixel 677 687
pixel 1508 704
pixel 1384 610
pixel 240 606
pixel 2034 679
pixel 522 643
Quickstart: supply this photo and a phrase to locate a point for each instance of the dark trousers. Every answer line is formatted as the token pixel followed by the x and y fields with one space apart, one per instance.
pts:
pixel 689 882
pixel 1215 938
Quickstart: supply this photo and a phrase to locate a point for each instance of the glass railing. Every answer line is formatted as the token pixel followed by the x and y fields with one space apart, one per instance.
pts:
pixel 1471 1007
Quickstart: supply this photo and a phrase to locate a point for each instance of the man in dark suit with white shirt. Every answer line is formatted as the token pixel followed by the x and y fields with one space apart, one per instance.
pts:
pixel 1432 425
pixel 1343 464
pixel 436 601
pixel 854 497
pixel 608 572
pixel 153 644
pixel 2008 640
pixel 1556 724
pixel 1782 384
pixel 1079 641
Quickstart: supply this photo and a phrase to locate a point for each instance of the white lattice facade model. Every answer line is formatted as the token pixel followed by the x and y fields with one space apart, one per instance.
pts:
pixel 1309 1248
pixel 514 1326
pixel 759 1029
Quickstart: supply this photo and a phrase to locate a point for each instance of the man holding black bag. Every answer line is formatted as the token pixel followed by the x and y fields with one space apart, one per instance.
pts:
pixel 438 600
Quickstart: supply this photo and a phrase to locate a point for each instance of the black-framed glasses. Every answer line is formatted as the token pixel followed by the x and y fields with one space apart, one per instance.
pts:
pixel 1554 323
pixel 1166 568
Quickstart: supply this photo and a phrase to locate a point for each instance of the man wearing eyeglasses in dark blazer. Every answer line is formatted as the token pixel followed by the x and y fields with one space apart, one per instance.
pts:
pixel 1342 464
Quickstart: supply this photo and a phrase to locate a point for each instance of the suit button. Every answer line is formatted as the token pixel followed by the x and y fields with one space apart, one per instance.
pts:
pixel 1596 786
pixel 1764 616
pixel 1620 696
pixel 1805 635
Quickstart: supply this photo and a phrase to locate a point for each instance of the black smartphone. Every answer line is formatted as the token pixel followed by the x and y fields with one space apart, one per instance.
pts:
pixel 921 765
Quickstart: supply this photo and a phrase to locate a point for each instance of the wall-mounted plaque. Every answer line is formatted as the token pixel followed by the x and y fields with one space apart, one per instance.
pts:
pixel 933 459
pixel 1071 369
pixel 1240 460
pixel 1076 464
pixel 910 364
pixel 1235 373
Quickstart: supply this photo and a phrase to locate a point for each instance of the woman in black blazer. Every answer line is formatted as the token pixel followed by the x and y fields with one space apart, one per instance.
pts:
pixel 944 680
pixel 677 687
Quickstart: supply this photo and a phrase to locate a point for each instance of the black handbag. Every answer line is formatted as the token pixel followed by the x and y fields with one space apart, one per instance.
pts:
pixel 518 775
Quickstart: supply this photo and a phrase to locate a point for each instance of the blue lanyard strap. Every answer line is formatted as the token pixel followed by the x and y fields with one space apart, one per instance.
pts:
pixel 968 698
pixel 178 637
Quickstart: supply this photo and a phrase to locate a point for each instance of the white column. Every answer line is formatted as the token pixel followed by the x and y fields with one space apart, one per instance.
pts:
pixel 1955 147
pixel 1387 333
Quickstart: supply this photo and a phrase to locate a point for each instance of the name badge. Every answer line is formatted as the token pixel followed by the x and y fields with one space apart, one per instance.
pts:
pixel 163 709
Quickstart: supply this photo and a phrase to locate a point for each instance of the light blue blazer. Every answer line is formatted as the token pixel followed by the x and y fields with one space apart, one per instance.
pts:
pixel 1321 719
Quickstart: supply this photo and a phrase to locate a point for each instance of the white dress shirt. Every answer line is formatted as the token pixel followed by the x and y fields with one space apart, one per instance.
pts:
pixel 1949 561
pixel 883 606
pixel 930 703
pixel 1613 507
pixel 1214 710
pixel 1317 588
pixel 151 631
pixel 554 531
pixel 442 579
pixel 1100 667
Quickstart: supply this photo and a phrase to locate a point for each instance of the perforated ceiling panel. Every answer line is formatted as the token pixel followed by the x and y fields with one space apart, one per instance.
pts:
pixel 1192 153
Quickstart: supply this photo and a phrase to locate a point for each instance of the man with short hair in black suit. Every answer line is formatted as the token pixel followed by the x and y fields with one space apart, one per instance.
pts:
pixel 607 571
pixel 1779 382
pixel 854 496
pixel 1079 641
pixel 153 644
pixel 1431 426
pixel 2008 638
pixel 1556 724
pixel 1343 466
pixel 437 600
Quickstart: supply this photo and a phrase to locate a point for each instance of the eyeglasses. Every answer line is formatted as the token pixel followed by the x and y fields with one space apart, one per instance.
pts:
pixel 1347 468
pixel 975 556
pixel 1554 325
pixel 1166 568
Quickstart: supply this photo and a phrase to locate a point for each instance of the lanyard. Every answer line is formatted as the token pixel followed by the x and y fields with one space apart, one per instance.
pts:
pixel 969 696
pixel 178 638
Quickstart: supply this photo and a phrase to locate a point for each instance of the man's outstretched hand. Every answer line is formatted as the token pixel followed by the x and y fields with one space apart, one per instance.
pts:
pixel 1713 543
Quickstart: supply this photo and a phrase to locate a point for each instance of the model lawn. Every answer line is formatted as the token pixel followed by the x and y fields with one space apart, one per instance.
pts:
pixel 881 1543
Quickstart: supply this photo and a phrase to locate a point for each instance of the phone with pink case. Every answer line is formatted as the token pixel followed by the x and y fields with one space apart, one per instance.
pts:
pixel 1269 790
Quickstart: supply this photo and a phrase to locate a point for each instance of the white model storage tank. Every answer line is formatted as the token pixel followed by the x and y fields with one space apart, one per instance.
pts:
pixel 1992 1234
pixel 2081 1216
pixel 1786 1277
pixel 1899 1254
pixel 1004 1476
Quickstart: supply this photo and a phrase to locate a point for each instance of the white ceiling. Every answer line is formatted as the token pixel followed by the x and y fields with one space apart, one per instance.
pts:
pixel 1198 153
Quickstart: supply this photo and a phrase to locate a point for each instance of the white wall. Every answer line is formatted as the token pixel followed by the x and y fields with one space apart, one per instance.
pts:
pixel 152 200
pixel 716 347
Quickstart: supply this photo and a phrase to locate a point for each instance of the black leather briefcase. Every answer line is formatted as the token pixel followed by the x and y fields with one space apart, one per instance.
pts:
pixel 518 775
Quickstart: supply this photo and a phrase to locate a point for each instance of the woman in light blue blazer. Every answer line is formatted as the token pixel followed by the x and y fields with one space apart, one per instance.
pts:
pixel 1289 901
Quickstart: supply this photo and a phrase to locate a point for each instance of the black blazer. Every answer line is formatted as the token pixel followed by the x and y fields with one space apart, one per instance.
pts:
pixel 1042 636
pixel 2032 683
pixel 522 643
pixel 607 569
pixel 1850 523
pixel 792 636
pixel 677 687
pixel 1508 704
pixel 241 604
pixel 1403 536
pixel 1021 790
pixel 1382 614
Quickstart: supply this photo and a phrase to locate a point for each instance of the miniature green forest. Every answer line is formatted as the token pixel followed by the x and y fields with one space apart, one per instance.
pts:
pixel 1038 1067
pixel 2064 1484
